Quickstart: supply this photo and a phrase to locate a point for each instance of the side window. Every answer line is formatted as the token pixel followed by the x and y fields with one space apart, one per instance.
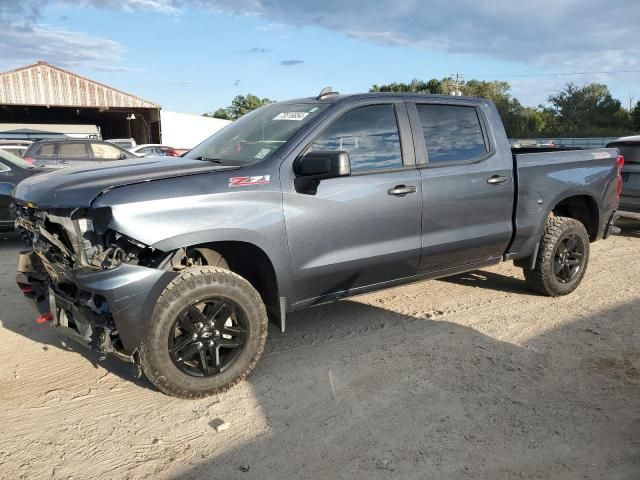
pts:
pixel 106 152
pixel 370 135
pixel 72 150
pixel 451 132
pixel 48 150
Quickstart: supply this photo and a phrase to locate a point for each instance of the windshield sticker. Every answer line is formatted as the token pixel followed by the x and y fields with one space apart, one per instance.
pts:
pixel 295 116
pixel 247 181
pixel 313 109
pixel 262 153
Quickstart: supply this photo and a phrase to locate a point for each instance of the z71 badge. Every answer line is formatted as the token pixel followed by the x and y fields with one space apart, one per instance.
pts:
pixel 247 181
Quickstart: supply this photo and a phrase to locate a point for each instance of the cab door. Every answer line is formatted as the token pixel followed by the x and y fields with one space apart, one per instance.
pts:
pixel 467 185
pixel 363 229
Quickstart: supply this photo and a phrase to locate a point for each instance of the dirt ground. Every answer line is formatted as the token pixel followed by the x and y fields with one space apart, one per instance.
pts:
pixel 472 377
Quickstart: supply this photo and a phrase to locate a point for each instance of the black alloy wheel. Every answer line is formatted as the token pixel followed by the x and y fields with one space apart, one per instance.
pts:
pixel 207 337
pixel 568 258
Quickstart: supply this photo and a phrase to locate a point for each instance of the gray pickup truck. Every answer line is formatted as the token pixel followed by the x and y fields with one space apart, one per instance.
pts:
pixel 177 264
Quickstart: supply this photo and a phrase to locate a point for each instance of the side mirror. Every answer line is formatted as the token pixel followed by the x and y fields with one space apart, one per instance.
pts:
pixel 123 156
pixel 321 165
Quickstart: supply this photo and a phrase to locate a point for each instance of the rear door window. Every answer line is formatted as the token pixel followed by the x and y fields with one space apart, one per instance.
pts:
pixel 106 152
pixel 48 150
pixel 73 150
pixel 452 133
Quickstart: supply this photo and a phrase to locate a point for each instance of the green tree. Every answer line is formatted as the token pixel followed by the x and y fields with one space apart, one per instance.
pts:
pixel 635 117
pixel 222 113
pixel 588 111
pixel 415 86
pixel 240 105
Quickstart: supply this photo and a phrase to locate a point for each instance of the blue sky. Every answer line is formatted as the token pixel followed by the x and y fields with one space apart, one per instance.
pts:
pixel 195 56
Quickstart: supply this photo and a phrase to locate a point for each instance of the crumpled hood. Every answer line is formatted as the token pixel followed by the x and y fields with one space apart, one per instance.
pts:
pixel 77 187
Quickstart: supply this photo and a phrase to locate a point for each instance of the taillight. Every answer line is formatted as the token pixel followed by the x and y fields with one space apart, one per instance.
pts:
pixel 620 163
pixel 28 159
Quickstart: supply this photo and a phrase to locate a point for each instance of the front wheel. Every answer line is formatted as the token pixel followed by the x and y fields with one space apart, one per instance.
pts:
pixel 208 331
pixel 563 257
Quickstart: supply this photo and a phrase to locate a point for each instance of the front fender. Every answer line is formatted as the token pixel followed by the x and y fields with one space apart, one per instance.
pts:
pixel 250 216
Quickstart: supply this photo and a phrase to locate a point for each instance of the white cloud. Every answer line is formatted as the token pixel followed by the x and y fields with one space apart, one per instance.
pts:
pixel 561 35
pixel 24 45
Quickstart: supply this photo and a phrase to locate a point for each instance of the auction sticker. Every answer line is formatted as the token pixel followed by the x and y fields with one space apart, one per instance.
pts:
pixel 295 116
pixel 262 153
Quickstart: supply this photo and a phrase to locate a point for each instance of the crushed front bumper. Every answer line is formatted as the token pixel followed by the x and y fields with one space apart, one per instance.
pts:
pixel 106 310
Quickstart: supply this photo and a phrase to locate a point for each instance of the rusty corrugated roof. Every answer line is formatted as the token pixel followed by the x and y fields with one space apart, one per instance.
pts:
pixel 44 84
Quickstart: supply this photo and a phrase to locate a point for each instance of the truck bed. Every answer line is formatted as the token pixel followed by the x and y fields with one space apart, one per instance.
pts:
pixel 542 181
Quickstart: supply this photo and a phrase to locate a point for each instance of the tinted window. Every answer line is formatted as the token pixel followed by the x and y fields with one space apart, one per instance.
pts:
pixel 369 134
pixel 72 150
pixel 452 133
pixel 106 152
pixel 48 150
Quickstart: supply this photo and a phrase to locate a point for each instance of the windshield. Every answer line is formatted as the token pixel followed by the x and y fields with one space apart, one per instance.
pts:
pixel 257 135
pixel 13 160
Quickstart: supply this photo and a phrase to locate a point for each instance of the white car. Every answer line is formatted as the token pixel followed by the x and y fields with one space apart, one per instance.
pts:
pixel 149 150
pixel 127 143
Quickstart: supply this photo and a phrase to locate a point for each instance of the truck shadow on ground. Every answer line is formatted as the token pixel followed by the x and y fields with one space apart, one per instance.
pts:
pixel 450 403
pixel 352 390
pixel 491 281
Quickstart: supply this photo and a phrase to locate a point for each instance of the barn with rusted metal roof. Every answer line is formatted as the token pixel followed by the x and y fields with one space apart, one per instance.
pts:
pixel 45 94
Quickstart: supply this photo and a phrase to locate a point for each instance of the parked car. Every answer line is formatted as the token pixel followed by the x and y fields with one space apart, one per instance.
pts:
pixel 67 153
pixel 127 143
pixel 172 152
pixel 630 199
pixel 176 264
pixel 12 171
pixel 16 147
pixel 153 149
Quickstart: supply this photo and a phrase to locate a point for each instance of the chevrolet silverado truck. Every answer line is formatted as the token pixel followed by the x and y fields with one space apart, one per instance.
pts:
pixel 177 265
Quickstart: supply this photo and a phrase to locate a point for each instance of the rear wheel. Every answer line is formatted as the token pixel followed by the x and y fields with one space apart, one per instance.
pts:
pixel 563 257
pixel 207 333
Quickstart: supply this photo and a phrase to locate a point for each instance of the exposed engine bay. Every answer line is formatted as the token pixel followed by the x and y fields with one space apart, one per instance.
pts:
pixel 88 280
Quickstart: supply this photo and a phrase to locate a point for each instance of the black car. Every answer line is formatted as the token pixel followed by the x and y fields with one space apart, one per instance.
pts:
pixel 629 148
pixel 12 171
pixel 72 152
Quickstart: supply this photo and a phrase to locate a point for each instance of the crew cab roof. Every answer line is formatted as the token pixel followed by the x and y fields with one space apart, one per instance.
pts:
pixel 341 98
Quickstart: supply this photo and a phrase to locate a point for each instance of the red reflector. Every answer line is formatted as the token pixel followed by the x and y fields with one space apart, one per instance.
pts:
pixel 26 289
pixel 29 160
pixel 620 163
pixel 44 318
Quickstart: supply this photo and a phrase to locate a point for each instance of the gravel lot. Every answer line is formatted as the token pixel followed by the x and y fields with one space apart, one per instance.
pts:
pixel 473 377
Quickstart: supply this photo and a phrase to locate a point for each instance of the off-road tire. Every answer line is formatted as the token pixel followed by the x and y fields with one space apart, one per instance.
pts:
pixel 192 285
pixel 543 278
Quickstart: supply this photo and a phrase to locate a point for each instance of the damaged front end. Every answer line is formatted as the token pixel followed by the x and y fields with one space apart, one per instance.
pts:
pixel 96 285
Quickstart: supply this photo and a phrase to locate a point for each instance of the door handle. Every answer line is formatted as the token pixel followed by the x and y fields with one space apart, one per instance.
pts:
pixel 496 180
pixel 401 190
